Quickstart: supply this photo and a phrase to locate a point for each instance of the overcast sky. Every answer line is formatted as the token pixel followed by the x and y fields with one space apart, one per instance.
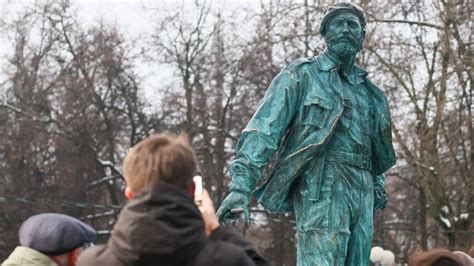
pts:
pixel 130 16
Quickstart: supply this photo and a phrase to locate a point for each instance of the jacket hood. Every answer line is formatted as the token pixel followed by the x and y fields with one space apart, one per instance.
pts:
pixel 27 256
pixel 161 223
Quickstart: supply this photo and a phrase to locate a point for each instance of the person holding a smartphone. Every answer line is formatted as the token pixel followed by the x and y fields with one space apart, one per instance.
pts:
pixel 162 224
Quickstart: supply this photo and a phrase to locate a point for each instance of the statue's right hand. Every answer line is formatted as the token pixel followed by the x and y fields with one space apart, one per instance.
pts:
pixel 234 201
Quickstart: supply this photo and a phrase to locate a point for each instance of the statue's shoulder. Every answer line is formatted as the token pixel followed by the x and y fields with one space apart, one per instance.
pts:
pixel 375 89
pixel 297 64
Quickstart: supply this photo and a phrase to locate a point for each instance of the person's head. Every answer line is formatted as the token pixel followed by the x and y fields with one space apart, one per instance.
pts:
pixel 343 27
pixel 435 257
pixel 160 158
pixel 464 258
pixel 59 236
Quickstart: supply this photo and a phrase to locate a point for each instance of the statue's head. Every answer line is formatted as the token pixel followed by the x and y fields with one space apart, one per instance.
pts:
pixel 343 27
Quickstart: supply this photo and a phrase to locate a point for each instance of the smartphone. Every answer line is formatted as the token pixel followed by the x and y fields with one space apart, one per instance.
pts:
pixel 197 190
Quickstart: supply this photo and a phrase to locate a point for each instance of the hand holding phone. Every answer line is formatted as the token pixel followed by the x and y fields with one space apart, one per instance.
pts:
pixel 198 188
pixel 208 213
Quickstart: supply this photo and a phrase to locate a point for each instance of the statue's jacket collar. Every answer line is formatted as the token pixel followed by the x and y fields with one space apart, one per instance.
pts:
pixel 326 62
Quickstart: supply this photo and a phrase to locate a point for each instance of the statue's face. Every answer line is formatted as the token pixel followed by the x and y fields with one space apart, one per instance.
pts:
pixel 344 34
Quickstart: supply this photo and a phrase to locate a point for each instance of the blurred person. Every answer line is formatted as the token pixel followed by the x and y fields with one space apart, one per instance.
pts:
pixel 161 224
pixel 51 239
pixel 464 258
pixel 435 257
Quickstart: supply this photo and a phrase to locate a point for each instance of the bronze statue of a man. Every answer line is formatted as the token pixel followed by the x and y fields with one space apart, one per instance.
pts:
pixel 330 129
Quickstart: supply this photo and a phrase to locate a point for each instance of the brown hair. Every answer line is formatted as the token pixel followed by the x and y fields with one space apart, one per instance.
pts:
pixel 435 257
pixel 160 158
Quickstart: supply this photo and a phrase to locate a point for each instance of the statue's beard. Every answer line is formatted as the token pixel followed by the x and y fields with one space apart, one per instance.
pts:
pixel 343 46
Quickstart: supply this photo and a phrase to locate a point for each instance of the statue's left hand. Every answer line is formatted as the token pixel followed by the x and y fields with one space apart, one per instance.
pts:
pixel 235 200
pixel 380 197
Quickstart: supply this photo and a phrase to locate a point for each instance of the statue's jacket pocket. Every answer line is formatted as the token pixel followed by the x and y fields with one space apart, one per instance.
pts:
pixel 316 111
pixel 314 215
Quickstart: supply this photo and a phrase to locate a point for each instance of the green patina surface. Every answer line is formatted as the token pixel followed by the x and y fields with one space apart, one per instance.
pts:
pixel 329 128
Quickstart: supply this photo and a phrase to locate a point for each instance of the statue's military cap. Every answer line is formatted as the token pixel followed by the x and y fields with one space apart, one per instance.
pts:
pixel 338 8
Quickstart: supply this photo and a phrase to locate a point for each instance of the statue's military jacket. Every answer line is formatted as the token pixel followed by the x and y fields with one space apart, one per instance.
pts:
pixel 296 119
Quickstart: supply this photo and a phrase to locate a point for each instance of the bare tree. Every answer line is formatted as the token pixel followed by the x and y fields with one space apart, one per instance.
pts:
pixel 71 106
pixel 427 73
pixel 72 109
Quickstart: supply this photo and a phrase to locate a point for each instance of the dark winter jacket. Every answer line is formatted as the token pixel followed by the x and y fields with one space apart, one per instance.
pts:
pixel 162 226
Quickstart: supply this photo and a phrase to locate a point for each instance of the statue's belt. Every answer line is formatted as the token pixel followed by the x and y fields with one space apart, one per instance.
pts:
pixel 357 160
